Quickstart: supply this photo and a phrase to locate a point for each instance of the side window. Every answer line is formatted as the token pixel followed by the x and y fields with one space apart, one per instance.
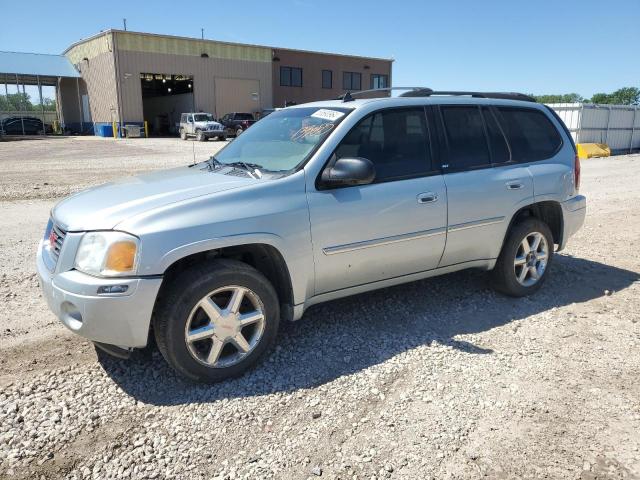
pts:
pixel 465 137
pixel 190 118
pixel 531 134
pixel 499 149
pixel 396 141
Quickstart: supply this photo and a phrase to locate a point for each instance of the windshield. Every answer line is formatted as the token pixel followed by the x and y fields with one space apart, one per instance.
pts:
pixel 284 139
pixel 203 117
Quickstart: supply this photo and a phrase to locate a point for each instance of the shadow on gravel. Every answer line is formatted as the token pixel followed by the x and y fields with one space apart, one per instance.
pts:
pixel 352 334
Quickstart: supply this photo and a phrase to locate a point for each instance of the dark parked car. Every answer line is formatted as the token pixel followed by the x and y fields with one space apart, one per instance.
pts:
pixel 32 126
pixel 236 123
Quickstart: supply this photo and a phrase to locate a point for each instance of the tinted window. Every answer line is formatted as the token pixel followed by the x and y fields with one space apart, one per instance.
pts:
pixel 465 137
pixel 243 116
pixel 290 77
pixel 396 141
pixel 327 79
pixel 351 81
pixel 497 143
pixel 530 133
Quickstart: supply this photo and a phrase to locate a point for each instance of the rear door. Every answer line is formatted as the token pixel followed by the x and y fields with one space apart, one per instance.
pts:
pixel 485 185
pixel 393 227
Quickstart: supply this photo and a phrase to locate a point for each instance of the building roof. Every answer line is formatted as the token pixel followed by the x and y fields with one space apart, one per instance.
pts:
pixel 156 35
pixel 28 66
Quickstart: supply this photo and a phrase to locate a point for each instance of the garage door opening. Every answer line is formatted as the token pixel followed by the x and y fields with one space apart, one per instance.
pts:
pixel 164 98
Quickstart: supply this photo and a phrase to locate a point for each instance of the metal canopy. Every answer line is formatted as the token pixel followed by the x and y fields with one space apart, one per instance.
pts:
pixel 34 68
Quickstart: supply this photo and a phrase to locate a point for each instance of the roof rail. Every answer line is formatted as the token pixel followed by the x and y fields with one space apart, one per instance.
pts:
pixel 427 92
pixel 348 96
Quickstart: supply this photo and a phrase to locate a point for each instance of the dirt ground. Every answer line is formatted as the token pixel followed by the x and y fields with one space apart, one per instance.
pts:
pixel 440 378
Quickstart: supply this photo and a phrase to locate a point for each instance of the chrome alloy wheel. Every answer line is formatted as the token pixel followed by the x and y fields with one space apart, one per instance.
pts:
pixel 225 326
pixel 531 259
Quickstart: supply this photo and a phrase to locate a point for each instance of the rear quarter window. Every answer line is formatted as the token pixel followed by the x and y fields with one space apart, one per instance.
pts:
pixel 530 133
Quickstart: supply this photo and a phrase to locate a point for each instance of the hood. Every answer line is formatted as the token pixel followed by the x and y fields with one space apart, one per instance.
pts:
pixel 107 205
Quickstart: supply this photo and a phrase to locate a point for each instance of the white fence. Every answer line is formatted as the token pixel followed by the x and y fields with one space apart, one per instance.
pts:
pixel 616 125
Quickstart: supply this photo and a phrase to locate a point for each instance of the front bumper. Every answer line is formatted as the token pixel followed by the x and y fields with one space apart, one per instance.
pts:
pixel 120 319
pixel 573 212
pixel 214 133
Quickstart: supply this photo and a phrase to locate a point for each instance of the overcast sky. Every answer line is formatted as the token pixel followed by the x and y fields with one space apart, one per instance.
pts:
pixel 534 46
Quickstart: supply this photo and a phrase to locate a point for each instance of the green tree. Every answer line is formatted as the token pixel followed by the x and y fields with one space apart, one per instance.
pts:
pixel 562 98
pixel 622 96
pixel 22 101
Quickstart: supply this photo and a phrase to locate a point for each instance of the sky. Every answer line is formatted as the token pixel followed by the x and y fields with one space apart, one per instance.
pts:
pixel 538 47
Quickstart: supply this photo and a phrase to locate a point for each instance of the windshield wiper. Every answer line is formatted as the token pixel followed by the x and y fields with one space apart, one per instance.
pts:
pixel 213 163
pixel 252 168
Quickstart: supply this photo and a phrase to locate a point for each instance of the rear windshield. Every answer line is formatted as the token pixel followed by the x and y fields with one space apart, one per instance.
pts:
pixel 531 134
pixel 243 116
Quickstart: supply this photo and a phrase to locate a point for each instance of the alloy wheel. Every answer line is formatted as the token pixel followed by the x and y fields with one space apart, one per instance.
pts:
pixel 531 259
pixel 225 326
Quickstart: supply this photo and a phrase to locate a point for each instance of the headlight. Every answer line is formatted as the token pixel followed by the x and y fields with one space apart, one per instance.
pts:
pixel 109 254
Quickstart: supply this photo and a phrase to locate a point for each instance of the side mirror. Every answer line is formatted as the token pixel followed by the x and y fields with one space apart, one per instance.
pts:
pixel 348 172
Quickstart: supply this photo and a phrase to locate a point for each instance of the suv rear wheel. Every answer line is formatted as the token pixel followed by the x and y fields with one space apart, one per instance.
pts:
pixel 523 264
pixel 216 320
pixel 239 131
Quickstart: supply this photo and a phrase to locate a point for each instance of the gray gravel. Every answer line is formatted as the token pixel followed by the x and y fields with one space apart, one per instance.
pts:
pixel 436 379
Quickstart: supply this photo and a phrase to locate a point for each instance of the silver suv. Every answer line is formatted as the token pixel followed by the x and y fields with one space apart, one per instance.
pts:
pixel 313 203
pixel 202 126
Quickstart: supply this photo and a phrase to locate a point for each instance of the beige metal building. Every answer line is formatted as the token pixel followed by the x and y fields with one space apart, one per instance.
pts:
pixel 130 77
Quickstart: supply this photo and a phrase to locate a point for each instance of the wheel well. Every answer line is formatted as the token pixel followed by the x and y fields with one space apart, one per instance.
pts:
pixel 264 258
pixel 549 212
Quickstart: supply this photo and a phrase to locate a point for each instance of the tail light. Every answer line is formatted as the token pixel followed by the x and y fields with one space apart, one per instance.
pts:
pixel 576 173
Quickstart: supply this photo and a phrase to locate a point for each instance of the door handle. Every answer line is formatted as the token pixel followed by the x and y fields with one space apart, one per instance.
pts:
pixel 428 197
pixel 515 185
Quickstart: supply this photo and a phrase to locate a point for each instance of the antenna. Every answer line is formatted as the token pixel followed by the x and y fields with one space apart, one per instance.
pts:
pixel 124 22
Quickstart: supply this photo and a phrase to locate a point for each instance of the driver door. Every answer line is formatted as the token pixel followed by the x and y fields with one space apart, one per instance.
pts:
pixel 190 129
pixel 393 227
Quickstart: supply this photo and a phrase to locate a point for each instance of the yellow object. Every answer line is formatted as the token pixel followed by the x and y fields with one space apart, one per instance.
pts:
pixel 146 129
pixel 593 150
pixel 121 257
pixel 115 132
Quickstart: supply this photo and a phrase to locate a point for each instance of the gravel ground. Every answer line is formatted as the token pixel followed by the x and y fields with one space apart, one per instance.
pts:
pixel 441 378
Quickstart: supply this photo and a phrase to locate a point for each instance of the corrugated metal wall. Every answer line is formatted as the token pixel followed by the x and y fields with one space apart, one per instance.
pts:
pixel 205 71
pixel 616 125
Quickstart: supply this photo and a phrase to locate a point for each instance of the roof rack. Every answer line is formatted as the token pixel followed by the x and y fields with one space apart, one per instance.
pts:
pixel 348 96
pixel 427 92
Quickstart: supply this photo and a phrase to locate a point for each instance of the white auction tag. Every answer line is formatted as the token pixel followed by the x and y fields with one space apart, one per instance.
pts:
pixel 331 115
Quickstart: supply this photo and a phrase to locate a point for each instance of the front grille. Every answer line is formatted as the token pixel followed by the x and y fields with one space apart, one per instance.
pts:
pixel 56 240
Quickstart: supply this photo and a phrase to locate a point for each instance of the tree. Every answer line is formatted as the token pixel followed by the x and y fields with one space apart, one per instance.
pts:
pixel 622 96
pixel 564 98
pixel 22 101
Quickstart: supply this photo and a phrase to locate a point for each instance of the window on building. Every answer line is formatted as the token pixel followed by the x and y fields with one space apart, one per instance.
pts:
pixel 290 77
pixel 379 81
pixel 396 141
pixel 351 81
pixel 465 136
pixel 530 133
pixel 327 79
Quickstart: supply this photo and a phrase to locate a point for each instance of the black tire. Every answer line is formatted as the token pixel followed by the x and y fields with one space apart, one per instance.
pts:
pixel 239 131
pixel 182 295
pixel 201 137
pixel 504 277
pixel 183 134
pixel 222 138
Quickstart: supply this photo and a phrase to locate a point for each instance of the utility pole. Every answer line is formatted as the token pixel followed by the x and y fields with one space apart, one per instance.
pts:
pixel 202 33
pixel 124 22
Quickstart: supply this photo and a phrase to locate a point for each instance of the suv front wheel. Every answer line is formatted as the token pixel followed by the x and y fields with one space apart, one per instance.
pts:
pixel 216 320
pixel 523 264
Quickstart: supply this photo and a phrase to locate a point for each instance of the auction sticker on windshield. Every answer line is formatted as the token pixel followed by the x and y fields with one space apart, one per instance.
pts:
pixel 325 114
